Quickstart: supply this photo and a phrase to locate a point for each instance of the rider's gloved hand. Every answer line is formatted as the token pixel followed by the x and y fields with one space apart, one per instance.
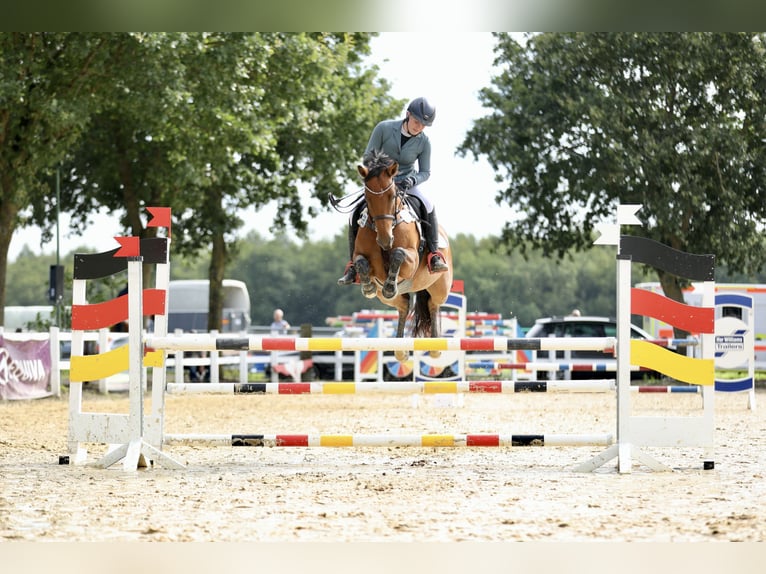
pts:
pixel 407 183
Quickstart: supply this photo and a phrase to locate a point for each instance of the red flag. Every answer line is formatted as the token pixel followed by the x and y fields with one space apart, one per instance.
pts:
pixel 129 247
pixel 160 217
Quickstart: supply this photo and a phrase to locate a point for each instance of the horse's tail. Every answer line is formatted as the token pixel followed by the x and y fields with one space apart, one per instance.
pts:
pixel 421 326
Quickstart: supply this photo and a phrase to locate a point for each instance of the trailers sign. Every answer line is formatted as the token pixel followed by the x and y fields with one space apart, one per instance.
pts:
pixel 724 343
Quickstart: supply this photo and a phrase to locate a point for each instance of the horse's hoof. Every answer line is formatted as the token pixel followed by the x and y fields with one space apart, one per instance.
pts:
pixel 388 291
pixel 369 291
pixel 401 356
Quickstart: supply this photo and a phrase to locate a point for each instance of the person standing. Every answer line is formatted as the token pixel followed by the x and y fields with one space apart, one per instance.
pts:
pixel 405 141
pixel 279 325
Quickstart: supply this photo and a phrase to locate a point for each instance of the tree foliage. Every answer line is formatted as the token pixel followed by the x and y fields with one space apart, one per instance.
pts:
pixel 48 90
pixel 209 124
pixel 579 123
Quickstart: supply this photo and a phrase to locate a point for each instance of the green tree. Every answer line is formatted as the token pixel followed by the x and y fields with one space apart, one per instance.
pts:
pixel 48 91
pixel 675 122
pixel 209 124
pixel 28 278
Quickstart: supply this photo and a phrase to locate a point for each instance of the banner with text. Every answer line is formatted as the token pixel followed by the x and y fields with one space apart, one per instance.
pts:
pixel 25 369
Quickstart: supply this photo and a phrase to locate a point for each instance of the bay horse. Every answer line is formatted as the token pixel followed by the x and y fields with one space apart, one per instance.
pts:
pixel 388 253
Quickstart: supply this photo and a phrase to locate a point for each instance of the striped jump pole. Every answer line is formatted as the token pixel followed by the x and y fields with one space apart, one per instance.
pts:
pixel 423 387
pixel 373 440
pixel 585 367
pixel 694 389
pixel 207 342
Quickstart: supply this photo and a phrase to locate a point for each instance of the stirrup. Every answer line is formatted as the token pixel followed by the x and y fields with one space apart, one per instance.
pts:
pixel 436 262
pixel 349 276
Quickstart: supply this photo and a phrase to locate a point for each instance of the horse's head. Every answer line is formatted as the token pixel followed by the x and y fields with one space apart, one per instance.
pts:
pixel 378 174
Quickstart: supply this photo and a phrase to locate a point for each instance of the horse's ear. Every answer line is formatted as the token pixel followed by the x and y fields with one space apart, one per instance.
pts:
pixel 362 170
pixel 393 169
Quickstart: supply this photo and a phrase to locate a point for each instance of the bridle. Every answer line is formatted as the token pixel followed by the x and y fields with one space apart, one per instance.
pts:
pixel 392 216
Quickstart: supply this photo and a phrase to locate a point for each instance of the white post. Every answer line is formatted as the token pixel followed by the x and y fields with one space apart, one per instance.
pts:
pixel 77 453
pixel 624 460
pixel 155 422
pixel 136 348
pixel 55 350
pixel 381 367
pixel 274 375
pixel 243 367
pixel 707 419
pixel 213 364
pixel 179 356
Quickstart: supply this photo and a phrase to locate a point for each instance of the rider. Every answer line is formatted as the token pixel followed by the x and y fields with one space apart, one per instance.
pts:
pixel 406 142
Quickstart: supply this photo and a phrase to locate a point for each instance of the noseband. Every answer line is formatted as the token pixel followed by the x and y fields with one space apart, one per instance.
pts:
pixel 381 192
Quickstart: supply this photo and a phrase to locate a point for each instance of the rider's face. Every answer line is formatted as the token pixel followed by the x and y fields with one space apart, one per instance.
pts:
pixel 413 125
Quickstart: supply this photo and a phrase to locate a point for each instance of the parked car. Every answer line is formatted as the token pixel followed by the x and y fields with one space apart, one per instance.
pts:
pixel 582 326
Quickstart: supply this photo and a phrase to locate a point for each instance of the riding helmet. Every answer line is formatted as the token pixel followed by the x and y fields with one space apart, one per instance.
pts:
pixel 422 110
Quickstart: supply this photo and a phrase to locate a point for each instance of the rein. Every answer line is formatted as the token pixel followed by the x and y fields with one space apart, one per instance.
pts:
pixel 347 203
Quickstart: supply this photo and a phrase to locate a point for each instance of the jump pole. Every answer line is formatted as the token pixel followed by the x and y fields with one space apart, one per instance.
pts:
pixel 374 440
pixel 406 387
pixel 422 387
pixel 207 342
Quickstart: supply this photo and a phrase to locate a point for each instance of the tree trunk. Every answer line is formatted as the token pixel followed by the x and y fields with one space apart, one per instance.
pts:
pixel 8 211
pixel 215 275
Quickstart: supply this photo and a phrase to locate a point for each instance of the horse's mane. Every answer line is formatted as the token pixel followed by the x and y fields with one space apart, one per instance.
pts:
pixel 376 161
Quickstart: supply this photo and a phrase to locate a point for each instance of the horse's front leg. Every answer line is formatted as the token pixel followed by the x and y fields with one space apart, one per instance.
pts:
pixel 362 267
pixel 389 289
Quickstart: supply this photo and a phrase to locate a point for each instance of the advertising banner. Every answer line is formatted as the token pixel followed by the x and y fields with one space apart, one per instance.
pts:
pixel 25 369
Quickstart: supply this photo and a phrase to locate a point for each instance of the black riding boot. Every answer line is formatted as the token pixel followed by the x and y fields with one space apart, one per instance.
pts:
pixel 436 261
pixel 350 275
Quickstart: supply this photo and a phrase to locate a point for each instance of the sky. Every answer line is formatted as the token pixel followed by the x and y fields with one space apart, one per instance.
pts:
pixel 447 68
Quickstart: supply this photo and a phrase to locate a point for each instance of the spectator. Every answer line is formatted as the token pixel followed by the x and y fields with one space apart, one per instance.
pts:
pixel 279 326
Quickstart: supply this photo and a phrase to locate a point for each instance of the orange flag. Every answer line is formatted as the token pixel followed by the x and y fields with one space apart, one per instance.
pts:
pixel 129 247
pixel 160 217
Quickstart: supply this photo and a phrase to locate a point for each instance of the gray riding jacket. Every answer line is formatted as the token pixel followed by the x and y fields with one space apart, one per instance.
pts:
pixel 387 137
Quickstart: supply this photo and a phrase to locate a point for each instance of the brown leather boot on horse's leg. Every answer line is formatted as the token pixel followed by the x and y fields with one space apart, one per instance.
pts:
pixel 349 276
pixel 436 262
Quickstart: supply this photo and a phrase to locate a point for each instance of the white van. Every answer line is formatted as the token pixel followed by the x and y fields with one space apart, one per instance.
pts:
pixel 188 305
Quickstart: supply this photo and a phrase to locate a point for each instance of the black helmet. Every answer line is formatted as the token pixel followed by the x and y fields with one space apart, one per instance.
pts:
pixel 422 110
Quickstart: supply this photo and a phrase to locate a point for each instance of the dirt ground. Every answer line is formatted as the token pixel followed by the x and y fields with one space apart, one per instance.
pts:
pixel 384 494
